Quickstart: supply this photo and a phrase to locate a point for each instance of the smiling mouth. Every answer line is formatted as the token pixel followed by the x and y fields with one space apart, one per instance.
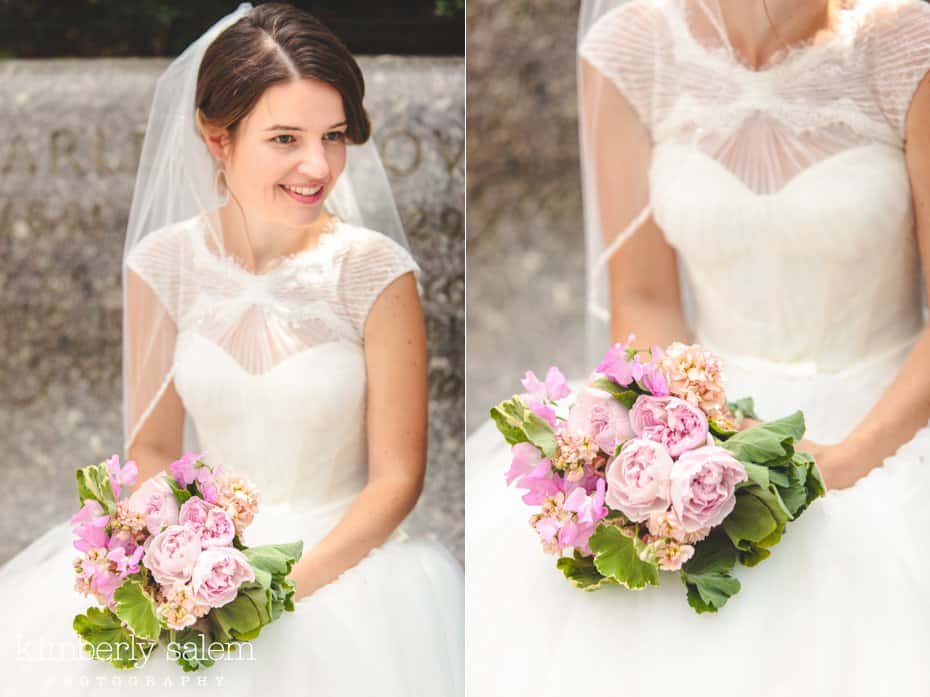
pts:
pixel 304 194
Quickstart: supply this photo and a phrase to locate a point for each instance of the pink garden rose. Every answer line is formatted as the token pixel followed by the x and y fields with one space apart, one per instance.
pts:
pixel 598 415
pixel 214 525
pixel 703 487
pixel 671 421
pixel 638 479
pixel 155 502
pixel 170 555
pixel 218 574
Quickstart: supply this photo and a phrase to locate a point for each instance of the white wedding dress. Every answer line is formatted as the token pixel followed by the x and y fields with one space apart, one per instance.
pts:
pixel 808 287
pixel 392 624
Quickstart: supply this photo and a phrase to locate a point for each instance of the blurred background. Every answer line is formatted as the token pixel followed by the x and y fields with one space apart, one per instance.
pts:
pixel 525 237
pixel 76 81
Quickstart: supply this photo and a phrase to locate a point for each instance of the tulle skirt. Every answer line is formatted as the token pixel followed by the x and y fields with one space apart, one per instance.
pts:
pixel 392 625
pixel 842 607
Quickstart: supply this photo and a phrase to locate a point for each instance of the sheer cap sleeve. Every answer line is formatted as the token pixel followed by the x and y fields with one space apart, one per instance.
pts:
pixel 158 259
pixel 371 262
pixel 895 39
pixel 151 315
pixel 622 46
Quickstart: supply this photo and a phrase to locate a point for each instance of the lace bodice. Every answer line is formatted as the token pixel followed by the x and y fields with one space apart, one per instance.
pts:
pixel 270 366
pixel 784 189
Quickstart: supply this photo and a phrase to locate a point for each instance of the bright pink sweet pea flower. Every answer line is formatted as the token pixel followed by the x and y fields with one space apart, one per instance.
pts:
pixel 543 411
pixel 532 472
pixel 554 389
pixel 121 475
pixel 615 365
pixel 207 484
pixel 184 469
pixel 89 526
pixel 570 517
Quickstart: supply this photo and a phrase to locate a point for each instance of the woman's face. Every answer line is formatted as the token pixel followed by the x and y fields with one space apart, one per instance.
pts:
pixel 287 154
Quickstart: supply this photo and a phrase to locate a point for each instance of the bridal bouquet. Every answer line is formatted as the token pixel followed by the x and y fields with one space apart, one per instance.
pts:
pixel 167 562
pixel 647 471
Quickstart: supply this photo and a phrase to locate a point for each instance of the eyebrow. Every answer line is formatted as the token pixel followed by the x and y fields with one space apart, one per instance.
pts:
pixel 279 127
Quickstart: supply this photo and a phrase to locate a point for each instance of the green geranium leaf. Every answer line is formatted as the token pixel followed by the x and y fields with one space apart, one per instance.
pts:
pixel 720 431
pixel 193 649
pixel 753 554
pixel 758 474
pixel 779 478
pixel 580 570
pixel 519 424
pixel 750 521
pixel 768 441
pixel 624 395
pixel 93 483
pixel 742 408
pixel 106 638
pixel 276 560
pixel 706 575
pixel 137 610
pixel 243 618
pixel 616 556
pixel 771 498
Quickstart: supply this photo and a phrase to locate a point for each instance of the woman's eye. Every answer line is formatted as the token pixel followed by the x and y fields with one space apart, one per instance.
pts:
pixel 334 136
pixel 283 139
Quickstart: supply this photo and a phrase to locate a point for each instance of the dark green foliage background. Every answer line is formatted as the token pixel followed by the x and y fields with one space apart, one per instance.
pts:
pixel 96 28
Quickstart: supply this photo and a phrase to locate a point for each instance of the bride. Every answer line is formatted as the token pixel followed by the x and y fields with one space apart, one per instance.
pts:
pixel 757 180
pixel 270 326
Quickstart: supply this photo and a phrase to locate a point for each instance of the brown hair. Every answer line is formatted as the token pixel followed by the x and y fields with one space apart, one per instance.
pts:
pixel 273 44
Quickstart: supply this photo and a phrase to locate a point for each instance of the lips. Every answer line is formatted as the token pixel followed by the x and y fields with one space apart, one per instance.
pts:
pixel 304 194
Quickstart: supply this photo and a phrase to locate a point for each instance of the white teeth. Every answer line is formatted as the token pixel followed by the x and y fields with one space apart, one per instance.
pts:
pixel 303 190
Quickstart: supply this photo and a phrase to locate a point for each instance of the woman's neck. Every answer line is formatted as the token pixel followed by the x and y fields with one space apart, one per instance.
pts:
pixel 259 242
pixel 758 29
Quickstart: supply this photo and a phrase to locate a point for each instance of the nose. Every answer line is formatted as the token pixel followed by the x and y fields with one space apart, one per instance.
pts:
pixel 314 163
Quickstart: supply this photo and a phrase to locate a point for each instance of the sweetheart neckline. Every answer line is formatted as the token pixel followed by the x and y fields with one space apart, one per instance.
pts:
pixel 189 336
pixel 831 160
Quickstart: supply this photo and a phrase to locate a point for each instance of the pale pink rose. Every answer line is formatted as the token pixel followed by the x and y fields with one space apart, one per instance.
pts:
pixel 671 421
pixel 214 525
pixel 154 501
pixel 696 376
pixel 638 479
pixel 703 487
pixel 170 555
pixel 600 416
pixel 218 574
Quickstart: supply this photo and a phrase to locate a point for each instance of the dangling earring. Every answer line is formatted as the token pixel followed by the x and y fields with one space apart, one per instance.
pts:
pixel 222 188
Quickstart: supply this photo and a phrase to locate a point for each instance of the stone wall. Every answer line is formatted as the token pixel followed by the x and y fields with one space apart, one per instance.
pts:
pixel 70 137
pixel 525 236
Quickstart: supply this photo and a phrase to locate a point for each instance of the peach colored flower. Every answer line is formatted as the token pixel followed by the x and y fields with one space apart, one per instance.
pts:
pixel 696 376
pixel 239 497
